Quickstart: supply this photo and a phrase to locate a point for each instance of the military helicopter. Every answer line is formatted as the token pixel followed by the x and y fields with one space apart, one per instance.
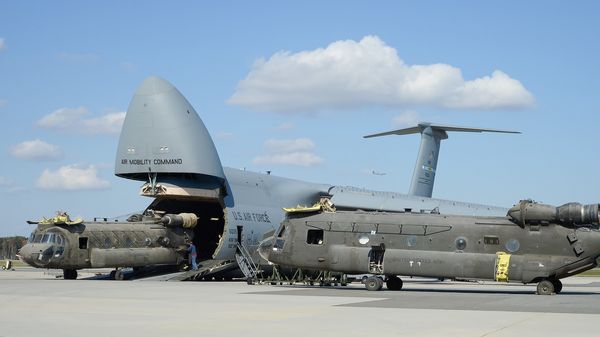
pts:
pixel 144 240
pixel 533 243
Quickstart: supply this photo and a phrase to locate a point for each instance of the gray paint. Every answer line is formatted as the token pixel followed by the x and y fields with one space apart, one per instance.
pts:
pixel 162 133
pixel 426 165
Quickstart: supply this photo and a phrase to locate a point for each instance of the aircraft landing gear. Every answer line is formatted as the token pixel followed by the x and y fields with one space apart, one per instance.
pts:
pixel 117 274
pixel 393 283
pixel 69 274
pixel 545 287
pixel 557 286
pixel 373 283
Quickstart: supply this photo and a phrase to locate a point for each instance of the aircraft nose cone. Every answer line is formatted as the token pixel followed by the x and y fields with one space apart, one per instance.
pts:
pixel 163 133
pixel 154 85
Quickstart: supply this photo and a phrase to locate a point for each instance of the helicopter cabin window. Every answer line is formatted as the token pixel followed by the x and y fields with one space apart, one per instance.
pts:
pixel 314 237
pixel 83 243
pixel 281 232
pixel 491 240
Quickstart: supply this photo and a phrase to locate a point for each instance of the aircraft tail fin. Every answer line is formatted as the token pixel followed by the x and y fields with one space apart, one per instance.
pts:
pixel 431 136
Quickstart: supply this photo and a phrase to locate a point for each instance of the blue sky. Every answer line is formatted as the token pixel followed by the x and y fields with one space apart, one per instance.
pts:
pixel 292 88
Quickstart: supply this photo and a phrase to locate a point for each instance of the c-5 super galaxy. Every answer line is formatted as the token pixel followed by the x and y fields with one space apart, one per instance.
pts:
pixel 165 144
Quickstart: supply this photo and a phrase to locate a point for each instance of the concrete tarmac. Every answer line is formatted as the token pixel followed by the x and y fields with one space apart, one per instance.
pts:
pixel 35 303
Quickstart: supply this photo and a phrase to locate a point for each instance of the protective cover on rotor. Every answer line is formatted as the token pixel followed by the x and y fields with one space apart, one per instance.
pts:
pixel 185 220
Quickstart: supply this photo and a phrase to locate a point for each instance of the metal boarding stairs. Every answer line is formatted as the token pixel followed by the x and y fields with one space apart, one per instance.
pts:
pixel 246 263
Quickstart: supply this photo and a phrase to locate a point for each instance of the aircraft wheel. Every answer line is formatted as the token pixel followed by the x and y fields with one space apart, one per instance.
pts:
pixel 118 275
pixel 393 283
pixel 69 274
pixel 373 283
pixel 557 286
pixel 545 287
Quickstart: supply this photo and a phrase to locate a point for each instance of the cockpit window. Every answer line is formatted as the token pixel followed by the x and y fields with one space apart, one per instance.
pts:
pixel 281 232
pixel 279 243
pixel 37 238
pixel 48 238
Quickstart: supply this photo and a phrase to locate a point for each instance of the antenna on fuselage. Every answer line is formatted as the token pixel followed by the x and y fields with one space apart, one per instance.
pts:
pixel 431 136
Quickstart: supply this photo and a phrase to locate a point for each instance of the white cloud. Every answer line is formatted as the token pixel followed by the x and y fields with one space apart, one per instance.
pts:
pixel 289 152
pixel 294 158
pixel 284 127
pixel 406 119
pixel 63 118
pixel 2 44
pixel 76 119
pixel 36 150
pixel 72 177
pixel 349 74
pixel 107 123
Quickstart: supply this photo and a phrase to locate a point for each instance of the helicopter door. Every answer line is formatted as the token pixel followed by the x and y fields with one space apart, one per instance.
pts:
pixel 376 259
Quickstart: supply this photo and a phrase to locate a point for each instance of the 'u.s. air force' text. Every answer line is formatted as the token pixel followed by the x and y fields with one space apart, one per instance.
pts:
pixel 157 161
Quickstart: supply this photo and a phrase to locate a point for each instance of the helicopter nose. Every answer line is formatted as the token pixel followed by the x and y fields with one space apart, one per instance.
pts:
pixel 265 247
pixel 26 254
pixel 35 254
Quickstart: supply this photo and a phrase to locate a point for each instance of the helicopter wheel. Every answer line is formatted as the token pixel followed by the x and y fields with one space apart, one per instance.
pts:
pixel 557 286
pixel 373 283
pixel 545 287
pixel 393 283
pixel 69 274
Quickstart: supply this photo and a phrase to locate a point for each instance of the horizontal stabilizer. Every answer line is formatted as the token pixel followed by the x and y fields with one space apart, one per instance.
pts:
pixel 426 165
pixel 421 126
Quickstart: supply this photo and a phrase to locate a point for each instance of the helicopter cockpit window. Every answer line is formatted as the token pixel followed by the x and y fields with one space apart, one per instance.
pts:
pixel 281 232
pixel 279 244
pixel 314 237
pixel 48 238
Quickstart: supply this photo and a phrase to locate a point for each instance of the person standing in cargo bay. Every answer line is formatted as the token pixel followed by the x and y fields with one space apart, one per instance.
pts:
pixel 193 255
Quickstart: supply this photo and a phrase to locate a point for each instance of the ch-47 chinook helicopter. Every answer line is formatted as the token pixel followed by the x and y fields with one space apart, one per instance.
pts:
pixel 533 243
pixel 144 241
pixel 165 145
